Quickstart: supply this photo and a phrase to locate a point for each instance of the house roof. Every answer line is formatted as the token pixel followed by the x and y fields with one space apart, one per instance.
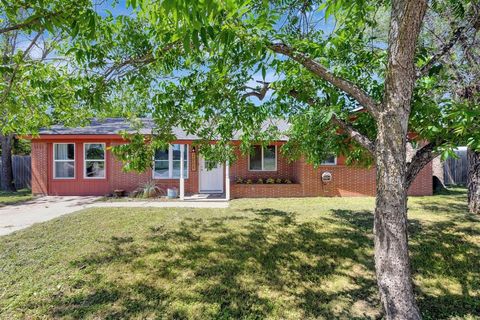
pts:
pixel 115 126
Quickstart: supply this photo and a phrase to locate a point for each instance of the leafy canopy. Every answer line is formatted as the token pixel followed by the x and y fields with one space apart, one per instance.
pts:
pixel 217 68
pixel 39 85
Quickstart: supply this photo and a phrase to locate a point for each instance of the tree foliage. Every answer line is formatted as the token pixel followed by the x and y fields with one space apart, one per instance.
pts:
pixel 39 85
pixel 218 68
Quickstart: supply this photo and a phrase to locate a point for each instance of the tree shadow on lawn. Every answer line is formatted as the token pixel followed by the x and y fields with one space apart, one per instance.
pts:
pixel 267 264
pixel 445 262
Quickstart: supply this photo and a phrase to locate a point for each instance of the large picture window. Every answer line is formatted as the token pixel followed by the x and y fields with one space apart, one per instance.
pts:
pixel 94 155
pixel 64 161
pixel 167 162
pixel 263 159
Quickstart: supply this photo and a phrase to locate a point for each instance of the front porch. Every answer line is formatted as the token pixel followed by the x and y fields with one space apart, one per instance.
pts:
pixel 205 180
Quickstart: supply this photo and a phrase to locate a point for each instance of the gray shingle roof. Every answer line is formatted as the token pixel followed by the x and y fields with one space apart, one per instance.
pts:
pixel 115 126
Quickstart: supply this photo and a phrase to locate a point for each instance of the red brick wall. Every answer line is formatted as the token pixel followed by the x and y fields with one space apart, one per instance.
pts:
pixel 266 190
pixel 347 181
pixel 79 186
pixel 39 169
pixel 43 182
pixel 423 183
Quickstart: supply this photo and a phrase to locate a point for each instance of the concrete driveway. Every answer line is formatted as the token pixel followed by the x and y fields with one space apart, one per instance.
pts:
pixel 22 215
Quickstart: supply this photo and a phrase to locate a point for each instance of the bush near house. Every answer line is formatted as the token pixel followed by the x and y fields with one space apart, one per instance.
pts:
pixel 241 180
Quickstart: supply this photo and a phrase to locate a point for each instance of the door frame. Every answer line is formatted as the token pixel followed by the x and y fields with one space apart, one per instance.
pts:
pixel 200 160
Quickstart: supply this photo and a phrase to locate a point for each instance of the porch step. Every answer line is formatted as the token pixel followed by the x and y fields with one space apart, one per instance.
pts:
pixel 206 197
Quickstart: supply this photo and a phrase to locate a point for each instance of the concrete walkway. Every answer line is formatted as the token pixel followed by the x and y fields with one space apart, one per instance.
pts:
pixel 22 215
pixel 162 204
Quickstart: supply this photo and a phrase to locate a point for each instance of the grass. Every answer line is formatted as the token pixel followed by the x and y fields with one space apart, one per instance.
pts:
pixel 15 197
pixel 258 259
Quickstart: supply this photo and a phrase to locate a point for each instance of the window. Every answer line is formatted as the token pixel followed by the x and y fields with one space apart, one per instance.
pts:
pixel 167 162
pixel 331 160
pixel 64 161
pixel 263 159
pixel 94 155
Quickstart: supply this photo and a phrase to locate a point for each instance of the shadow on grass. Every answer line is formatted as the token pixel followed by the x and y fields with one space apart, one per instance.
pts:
pixel 264 264
pixel 451 191
pixel 440 251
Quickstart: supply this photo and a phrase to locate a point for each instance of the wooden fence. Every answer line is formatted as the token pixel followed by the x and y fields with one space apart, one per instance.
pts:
pixel 456 169
pixel 22 171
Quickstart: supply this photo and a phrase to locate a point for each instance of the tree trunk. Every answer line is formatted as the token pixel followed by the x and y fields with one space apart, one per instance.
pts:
pixel 473 181
pixel 392 262
pixel 7 166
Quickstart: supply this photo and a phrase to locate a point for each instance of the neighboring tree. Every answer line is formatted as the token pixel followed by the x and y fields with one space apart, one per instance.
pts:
pixel 196 63
pixel 21 147
pixel 473 181
pixel 462 69
pixel 37 86
pixel 7 182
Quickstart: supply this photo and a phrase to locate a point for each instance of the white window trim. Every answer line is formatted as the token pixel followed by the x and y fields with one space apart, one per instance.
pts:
pixel 170 164
pixel 104 161
pixel 334 163
pixel 263 159
pixel 74 162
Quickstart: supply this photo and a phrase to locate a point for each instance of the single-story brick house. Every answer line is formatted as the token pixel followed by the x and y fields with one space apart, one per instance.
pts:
pixel 76 161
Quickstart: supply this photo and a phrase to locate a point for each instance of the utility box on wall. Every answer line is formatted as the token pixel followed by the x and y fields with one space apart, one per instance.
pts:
pixel 327 176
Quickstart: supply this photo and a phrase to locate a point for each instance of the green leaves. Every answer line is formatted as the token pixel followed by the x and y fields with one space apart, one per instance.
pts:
pixel 201 65
pixel 40 87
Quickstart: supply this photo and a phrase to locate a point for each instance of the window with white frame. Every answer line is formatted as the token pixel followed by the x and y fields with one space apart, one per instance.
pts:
pixel 94 160
pixel 331 160
pixel 263 158
pixel 63 160
pixel 167 162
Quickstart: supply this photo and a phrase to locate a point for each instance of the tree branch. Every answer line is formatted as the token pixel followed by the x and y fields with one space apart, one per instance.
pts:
pixel 457 35
pixel 146 59
pixel 348 87
pixel 27 23
pixel 136 61
pixel 361 139
pixel 443 51
pixel 351 131
pixel 17 66
pixel 422 157
pixel 260 94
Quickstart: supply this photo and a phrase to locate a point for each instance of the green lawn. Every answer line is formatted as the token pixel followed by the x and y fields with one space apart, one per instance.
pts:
pixel 259 259
pixel 15 197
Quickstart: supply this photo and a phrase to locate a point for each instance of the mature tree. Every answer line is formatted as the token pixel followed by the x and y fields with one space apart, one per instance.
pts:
pixel 461 69
pixel 37 85
pixel 473 181
pixel 316 62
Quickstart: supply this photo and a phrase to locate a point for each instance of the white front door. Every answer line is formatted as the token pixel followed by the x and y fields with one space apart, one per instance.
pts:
pixel 211 181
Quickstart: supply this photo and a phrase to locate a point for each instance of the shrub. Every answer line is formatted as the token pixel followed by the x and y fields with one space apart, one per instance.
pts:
pixel 260 181
pixel 278 180
pixel 149 190
pixel 287 181
pixel 270 181
pixel 249 181
pixel 239 180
